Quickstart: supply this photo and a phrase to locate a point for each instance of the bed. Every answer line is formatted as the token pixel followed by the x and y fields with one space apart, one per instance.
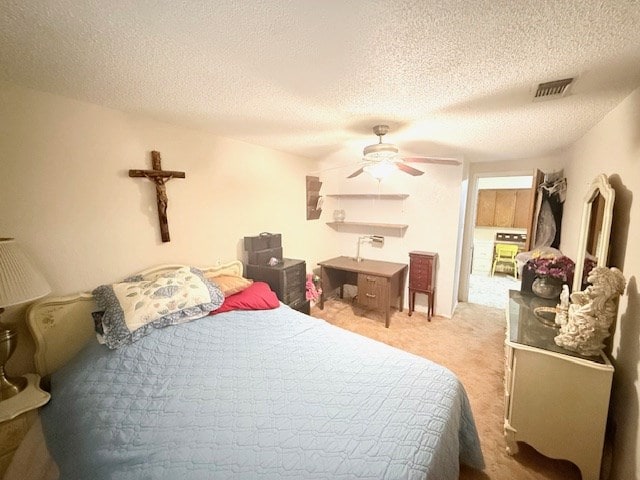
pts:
pixel 266 393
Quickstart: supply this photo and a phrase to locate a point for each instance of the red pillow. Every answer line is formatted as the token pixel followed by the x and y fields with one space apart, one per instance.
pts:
pixel 257 296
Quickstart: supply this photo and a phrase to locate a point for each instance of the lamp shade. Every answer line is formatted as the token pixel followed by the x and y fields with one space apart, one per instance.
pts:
pixel 20 281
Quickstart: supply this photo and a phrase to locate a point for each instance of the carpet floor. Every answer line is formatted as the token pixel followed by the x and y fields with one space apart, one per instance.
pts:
pixel 491 291
pixel 471 344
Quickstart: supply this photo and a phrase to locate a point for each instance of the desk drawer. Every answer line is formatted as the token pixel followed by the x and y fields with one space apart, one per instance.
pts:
pixel 373 291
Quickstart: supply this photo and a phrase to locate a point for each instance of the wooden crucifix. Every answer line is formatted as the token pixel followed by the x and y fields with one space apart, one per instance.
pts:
pixel 160 178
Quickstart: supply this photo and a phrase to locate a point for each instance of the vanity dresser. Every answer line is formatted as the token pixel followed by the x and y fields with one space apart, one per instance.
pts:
pixel 555 400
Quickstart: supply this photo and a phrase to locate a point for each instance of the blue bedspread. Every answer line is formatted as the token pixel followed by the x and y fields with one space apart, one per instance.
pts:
pixel 258 395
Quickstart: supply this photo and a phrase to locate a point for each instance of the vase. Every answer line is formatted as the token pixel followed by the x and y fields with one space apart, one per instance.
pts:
pixel 546 287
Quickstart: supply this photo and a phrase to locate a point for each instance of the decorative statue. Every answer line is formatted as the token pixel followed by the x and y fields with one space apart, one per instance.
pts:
pixel 592 311
pixel 562 309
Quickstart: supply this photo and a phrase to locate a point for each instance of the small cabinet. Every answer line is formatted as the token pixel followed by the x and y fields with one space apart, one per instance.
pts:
pixel 287 280
pixel 422 278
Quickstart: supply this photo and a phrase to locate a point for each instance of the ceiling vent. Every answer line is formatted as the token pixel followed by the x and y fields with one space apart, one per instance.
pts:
pixel 551 90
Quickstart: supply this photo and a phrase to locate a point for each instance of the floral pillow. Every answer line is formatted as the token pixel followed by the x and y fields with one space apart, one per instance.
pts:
pixel 132 309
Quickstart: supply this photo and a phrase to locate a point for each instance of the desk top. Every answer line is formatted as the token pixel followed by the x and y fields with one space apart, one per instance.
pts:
pixel 371 267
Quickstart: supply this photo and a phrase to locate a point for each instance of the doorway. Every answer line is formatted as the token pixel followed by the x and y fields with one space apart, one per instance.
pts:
pixel 500 225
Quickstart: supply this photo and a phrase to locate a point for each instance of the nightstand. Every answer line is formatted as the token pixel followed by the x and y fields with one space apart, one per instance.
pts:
pixel 17 414
pixel 287 280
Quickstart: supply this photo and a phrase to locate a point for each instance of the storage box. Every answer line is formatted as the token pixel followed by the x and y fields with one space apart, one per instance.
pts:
pixel 263 241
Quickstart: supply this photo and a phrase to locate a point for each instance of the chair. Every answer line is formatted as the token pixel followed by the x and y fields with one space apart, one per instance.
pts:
pixel 505 253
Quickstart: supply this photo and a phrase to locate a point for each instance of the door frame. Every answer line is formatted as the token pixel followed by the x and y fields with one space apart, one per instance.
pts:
pixel 469 224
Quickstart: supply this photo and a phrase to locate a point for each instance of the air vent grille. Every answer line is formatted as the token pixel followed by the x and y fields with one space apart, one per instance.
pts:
pixel 554 89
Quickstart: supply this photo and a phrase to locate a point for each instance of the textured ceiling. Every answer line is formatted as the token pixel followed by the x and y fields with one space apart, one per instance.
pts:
pixel 451 77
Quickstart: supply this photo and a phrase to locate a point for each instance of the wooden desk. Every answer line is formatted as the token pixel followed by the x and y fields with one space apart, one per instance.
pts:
pixel 380 284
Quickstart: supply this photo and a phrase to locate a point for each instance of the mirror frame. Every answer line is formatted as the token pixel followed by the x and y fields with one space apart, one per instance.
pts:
pixel 599 185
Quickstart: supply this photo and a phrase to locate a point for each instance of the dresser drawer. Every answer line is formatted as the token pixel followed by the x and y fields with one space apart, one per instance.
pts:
pixel 286 279
pixel 295 277
pixel 12 431
pixel 422 276
pixel 302 305
pixel 423 284
pixel 418 260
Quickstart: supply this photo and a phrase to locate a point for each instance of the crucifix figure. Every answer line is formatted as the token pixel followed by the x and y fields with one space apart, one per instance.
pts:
pixel 160 178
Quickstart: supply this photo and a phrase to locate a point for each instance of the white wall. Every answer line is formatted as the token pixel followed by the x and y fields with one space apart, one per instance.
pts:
pixel 431 212
pixel 523 181
pixel 613 147
pixel 65 194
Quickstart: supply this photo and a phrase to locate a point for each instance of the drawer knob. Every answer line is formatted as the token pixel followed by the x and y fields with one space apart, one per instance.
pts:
pixel 370 295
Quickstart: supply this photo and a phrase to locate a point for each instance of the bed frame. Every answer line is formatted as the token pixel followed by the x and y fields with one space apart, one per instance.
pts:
pixel 61 326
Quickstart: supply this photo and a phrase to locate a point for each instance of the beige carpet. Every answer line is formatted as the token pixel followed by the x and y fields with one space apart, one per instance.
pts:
pixel 471 344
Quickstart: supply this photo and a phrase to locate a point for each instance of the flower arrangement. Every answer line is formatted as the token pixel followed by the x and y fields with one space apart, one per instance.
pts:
pixel 313 290
pixel 552 266
pixel 559 267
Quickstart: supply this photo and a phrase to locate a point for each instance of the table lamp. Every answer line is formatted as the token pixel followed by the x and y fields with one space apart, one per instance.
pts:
pixel 20 282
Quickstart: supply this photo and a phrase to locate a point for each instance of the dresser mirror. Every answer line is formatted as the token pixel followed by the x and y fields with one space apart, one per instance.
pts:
pixel 597 214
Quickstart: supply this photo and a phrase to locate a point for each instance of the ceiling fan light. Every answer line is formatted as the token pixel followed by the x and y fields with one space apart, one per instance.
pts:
pixel 380 151
pixel 380 170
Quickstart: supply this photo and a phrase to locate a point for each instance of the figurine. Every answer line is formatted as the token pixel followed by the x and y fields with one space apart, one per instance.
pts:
pixel 592 311
pixel 562 309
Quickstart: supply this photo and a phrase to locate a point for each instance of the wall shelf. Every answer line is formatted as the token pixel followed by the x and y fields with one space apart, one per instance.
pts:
pixel 398 196
pixel 397 228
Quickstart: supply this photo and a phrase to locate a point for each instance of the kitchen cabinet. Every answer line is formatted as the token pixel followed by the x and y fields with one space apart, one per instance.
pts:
pixel 503 208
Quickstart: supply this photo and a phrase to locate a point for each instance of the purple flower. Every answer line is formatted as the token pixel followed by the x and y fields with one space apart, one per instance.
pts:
pixel 560 268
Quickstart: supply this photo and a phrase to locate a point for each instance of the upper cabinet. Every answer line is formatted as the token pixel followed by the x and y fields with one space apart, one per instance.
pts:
pixel 503 208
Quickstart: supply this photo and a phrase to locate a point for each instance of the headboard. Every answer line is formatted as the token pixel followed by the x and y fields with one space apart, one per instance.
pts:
pixel 61 326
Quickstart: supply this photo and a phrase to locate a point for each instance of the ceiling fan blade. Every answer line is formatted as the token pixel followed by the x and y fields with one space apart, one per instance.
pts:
pixel 434 160
pixel 407 169
pixel 356 173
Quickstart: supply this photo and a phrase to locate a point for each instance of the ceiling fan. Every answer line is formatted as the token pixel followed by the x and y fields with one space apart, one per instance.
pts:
pixel 381 158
